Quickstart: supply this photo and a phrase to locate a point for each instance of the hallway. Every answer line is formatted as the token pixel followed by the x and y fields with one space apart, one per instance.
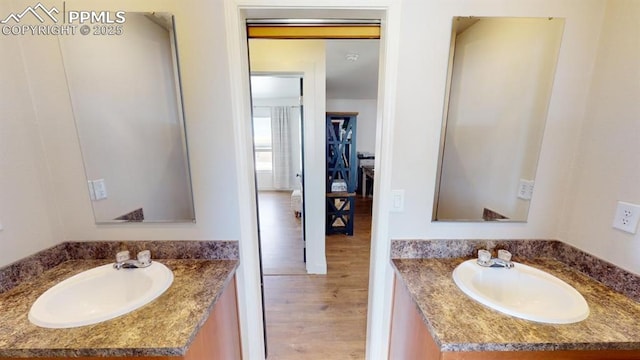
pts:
pixel 320 316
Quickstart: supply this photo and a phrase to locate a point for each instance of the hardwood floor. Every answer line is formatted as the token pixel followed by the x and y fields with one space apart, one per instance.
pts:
pixel 322 316
pixel 280 235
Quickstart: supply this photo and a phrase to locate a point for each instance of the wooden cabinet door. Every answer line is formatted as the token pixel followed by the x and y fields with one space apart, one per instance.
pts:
pixel 410 339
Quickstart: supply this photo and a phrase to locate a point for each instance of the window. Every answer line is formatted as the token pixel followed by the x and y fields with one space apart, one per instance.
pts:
pixel 262 143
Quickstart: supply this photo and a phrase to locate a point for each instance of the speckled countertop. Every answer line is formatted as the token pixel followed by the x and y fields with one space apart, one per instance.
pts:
pixel 163 327
pixel 458 323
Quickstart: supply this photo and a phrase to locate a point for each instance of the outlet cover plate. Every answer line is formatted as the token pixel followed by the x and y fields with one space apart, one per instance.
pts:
pixel 626 217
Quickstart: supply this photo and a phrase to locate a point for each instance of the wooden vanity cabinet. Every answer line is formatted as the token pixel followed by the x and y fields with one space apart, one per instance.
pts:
pixel 218 338
pixel 411 340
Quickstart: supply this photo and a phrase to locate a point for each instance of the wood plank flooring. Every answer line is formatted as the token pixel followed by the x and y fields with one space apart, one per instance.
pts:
pixel 322 316
pixel 280 235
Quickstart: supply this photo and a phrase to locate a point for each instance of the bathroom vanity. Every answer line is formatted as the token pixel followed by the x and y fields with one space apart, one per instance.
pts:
pixel 196 318
pixel 433 319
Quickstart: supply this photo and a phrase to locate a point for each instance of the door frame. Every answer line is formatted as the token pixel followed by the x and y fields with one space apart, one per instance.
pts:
pixel 313 109
pixel 299 71
pixel 381 273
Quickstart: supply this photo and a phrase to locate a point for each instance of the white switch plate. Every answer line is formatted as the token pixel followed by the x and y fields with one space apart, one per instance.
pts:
pixel 397 200
pixel 525 189
pixel 100 189
pixel 626 217
pixel 1 227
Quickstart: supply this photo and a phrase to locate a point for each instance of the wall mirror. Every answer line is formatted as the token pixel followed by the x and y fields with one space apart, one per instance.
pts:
pixel 500 76
pixel 125 92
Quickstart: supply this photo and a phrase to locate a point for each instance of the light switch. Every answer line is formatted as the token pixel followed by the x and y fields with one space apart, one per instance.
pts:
pixel 525 189
pixel 1 227
pixel 397 200
pixel 100 189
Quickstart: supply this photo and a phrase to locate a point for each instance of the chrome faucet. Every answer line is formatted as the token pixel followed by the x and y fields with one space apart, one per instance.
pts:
pixel 503 260
pixel 124 261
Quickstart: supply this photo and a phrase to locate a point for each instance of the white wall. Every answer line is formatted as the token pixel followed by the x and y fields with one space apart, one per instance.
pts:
pixel 418 114
pixel 424 49
pixel 207 112
pixel 366 123
pixel 125 103
pixel 500 87
pixel 27 207
pixel 607 165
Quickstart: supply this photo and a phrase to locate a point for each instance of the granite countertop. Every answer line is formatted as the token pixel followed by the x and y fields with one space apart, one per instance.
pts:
pixel 458 323
pixel 163 327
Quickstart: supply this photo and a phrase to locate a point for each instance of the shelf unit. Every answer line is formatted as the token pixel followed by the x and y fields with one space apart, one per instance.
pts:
pixel 341 172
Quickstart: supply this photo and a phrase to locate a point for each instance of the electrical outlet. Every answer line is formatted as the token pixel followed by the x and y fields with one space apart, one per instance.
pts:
pixel 627 216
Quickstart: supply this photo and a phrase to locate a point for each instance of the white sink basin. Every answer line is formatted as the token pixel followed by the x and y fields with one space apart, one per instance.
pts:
pixel 523 291
pixel 99 294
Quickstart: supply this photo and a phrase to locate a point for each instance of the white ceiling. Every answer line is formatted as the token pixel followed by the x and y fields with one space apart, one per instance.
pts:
pixel 345 79
pixel 352 79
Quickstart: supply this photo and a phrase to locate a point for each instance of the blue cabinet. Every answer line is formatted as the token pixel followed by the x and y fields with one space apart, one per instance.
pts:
pixel 342 176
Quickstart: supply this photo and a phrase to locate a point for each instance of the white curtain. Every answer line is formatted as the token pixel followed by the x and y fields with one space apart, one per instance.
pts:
pixel 281 147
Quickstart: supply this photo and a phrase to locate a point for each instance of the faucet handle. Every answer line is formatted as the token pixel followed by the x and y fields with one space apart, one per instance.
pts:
pixel 504 255
pixel 144 257
pixel 122 256
pixel 484 256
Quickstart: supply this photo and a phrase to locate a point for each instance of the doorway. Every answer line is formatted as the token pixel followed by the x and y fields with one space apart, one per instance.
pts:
pixel 323 316
pixel 277 134
pixel 249 273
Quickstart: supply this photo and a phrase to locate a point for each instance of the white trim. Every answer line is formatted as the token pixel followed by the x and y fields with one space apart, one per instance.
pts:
pixel 248 275
pixel 314 153
pixel 381 274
